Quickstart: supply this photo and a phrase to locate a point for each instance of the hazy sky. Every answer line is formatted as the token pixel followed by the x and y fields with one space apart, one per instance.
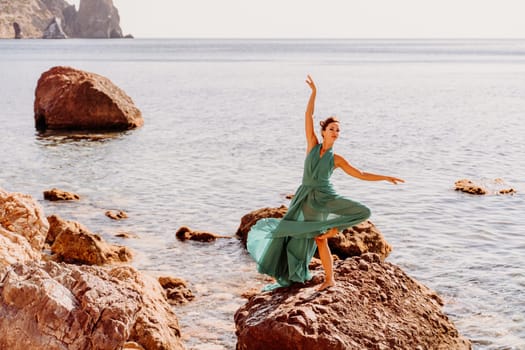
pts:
pixel 322 19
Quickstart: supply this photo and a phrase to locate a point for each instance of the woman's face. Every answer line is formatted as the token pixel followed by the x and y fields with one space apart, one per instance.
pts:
pixel 331 132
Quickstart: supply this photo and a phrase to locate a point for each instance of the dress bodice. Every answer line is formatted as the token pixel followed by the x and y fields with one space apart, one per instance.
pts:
pixel 317 169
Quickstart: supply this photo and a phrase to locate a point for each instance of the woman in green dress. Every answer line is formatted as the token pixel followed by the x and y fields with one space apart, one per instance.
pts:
pixel 283 248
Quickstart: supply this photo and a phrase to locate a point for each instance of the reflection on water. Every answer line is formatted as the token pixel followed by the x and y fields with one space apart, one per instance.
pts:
pixel 56 137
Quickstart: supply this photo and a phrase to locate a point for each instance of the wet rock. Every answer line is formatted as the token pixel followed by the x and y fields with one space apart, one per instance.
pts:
pixel 251 218
pixel 360 239
pixel 55 194
pixel 377 307
pixel 484 186
pixel 507 191
pixel 116 215
pixel 468 186
pixel 184 233
pixel 126 235
pixel 71 99
pixel 23 228
pixel 59 306
pixel 72 242
pixel 177 290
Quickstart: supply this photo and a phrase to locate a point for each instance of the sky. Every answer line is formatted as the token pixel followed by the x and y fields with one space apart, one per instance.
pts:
pixel 322 18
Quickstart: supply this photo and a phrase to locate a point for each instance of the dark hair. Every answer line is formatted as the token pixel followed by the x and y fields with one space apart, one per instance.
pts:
pixel 329 120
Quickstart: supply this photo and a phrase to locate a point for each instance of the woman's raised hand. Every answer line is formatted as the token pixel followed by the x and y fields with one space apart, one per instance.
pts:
pixel 311 83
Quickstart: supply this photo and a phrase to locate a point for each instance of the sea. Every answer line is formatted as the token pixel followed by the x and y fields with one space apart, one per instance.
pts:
pixel 223 135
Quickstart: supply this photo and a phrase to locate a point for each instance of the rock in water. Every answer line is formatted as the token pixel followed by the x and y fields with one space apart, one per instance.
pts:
pixel 374 305
pixel 71 99
pixel 72 242
pixel 55 194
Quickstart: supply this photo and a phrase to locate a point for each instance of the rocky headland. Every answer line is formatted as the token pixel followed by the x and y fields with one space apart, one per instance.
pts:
pixel 57 19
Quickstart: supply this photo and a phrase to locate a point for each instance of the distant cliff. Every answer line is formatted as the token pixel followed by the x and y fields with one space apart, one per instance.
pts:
pixel 59 19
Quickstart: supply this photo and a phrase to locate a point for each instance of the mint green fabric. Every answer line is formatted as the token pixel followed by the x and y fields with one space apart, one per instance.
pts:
pixel 283 248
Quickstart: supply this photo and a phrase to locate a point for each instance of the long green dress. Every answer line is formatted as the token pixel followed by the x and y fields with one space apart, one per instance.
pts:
pixel 283 248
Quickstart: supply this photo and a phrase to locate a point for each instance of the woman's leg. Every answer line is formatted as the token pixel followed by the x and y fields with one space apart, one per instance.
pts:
pixel 326 260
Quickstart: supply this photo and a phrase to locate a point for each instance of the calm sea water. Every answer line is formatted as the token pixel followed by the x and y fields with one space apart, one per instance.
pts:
pixel 223 135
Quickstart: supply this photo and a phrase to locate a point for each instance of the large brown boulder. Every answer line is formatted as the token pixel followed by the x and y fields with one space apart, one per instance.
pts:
pixel 23 228
pixel 55 194
pixel 72 242
pixel 374 305
pixel 58 306
pixel 71 99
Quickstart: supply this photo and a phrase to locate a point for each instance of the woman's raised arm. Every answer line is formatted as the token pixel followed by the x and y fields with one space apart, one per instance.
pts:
pixel 342 163
pixel 311 138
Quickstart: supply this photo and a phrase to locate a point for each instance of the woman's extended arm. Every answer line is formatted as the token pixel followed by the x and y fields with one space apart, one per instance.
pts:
pixel 340 162
pixel 311 138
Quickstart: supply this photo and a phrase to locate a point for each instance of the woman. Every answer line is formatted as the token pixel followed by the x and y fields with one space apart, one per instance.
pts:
pixel 284 247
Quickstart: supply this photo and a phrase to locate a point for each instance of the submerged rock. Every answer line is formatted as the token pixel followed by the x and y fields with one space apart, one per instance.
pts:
pixel 71 99
pixel 116 215
pixel 184 233
pixel 176 289
pixel 374 305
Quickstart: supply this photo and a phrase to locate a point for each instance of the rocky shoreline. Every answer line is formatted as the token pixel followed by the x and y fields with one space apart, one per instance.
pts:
pixel 85 295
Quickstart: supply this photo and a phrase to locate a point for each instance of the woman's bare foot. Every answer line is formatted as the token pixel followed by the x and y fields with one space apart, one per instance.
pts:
pixel 325 285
